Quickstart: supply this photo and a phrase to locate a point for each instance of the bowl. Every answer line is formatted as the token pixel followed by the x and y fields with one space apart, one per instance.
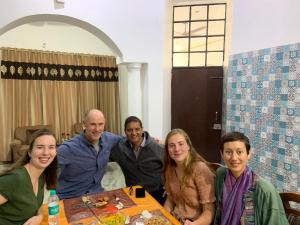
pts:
pixel 156 220
pixel 113 219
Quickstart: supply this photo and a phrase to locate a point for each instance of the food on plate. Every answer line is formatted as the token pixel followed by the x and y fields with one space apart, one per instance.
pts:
pixel 120 205
pixel 156 220
pixel 86 199
pixel 146 214
pixel 113 219
pixel 103 199
pixel 99 204
pixel 111 209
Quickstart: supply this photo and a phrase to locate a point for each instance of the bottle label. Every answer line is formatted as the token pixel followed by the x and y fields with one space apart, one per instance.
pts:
pixel 53 208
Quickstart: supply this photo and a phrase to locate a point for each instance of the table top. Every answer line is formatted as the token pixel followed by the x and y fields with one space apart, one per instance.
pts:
pixel 133 210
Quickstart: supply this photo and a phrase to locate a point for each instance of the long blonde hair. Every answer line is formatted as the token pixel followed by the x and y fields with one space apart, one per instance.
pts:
pixel 190 160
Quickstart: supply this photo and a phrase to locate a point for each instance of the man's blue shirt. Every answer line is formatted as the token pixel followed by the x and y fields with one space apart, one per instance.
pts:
pixel 81 167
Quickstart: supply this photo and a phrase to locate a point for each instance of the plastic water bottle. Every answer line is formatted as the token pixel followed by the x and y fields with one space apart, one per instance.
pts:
pixel 53 208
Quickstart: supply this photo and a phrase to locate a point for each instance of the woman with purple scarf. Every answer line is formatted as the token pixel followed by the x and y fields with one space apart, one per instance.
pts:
pixel 244 198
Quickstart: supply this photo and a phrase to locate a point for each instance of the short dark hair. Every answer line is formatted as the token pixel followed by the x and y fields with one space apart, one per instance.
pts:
pixel 132 119
pixel 235 136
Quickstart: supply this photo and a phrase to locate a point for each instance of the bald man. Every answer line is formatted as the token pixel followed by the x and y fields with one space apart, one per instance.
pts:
pixel 83 159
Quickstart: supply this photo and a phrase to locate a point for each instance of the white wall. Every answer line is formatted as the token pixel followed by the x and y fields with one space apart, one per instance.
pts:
pixel 259 24
pixel 139 31
pixel 134 30
pixel 54 36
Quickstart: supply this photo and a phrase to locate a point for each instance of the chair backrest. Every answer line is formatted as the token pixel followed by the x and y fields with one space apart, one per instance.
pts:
pixel 215 166
pixel 24 133
pixel 293 213
pixel 78 128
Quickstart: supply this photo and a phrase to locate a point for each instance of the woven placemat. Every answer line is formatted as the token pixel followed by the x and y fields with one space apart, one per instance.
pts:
pixel 76 210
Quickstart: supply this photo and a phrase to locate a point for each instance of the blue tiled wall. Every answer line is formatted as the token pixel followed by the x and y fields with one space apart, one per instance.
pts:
pixel 263 101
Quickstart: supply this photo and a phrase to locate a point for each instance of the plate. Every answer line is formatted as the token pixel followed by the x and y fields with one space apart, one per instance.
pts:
pixel 113 219
pixel 154 220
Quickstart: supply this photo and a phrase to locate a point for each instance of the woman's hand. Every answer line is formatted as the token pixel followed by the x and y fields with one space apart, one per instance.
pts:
pixel 188 222
pixel 168 205
pixel 206 216
pixel 2 200
pixel 35 220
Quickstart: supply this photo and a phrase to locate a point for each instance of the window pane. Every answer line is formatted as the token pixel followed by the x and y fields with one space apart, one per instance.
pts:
pixel 181 13
pixel 198 44
pixel 199 13
pixel 197 59
pixel 180 59
pixel 215 59
pixel 198 28
pixel 215 43
pixel 199 35
pixel 181 29
pixel 216 12
pixel 215 27
pixel 181 44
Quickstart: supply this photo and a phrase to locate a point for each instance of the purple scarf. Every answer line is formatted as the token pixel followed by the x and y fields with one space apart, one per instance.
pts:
pixel 233 194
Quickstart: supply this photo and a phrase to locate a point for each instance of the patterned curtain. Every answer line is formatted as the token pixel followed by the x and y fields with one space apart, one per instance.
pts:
pixel 38 87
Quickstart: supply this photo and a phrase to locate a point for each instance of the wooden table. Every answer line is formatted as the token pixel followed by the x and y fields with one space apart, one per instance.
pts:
pixel 147 203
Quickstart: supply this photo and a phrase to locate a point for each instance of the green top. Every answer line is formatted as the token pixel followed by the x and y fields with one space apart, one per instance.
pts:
pixel 22 203
pixel 268 208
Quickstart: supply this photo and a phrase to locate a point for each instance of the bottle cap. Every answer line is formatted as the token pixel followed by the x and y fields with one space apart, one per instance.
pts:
pixel 52 192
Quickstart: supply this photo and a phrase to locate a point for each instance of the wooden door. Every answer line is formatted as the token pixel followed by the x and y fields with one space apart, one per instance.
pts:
pixel 196 107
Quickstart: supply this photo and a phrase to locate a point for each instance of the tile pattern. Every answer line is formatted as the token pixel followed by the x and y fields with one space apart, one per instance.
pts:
pixel 263 101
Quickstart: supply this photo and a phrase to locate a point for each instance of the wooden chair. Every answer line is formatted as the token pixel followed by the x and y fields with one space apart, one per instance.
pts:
pixel 78 128
pixel 22 136
pixel 215 166
pixel 292 213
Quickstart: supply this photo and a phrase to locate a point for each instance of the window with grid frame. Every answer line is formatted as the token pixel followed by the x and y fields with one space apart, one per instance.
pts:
pixel 199 35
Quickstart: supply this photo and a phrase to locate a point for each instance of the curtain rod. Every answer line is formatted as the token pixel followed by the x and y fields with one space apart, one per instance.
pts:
pixel 43 51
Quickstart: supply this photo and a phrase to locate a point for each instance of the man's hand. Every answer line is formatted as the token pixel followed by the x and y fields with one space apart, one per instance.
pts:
pixel 158 141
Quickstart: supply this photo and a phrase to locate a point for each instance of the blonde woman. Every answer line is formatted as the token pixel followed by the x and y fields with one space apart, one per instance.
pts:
pixel 22 187
pixel 188 180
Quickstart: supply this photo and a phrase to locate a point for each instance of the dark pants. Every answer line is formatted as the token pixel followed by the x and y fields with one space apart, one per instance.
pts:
pixel 159 196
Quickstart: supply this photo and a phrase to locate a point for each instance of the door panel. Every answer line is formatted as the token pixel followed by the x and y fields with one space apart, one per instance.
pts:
pixel 196 107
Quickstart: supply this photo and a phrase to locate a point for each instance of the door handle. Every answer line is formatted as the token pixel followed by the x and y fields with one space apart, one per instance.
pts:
pixel 217 126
